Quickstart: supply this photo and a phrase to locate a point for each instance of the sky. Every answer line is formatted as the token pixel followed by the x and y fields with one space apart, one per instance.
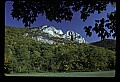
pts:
pixel 76 24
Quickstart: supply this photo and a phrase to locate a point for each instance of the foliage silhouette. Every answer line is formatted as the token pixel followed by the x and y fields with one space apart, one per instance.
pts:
pixel 59 10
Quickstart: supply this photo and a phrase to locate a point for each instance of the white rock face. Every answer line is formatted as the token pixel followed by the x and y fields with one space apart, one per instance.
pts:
pixel 58 31
pixel 40 38
pixel 77 37
pixel 52 31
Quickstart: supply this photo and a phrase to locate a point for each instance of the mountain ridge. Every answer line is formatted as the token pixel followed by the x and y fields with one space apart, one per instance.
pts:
pixel 107 43
pixel 51 31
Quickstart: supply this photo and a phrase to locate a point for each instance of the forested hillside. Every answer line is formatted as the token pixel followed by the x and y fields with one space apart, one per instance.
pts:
pixel 107 43
pixel 25 55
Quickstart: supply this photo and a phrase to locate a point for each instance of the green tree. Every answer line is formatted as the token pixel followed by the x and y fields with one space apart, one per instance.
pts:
pixel 23 54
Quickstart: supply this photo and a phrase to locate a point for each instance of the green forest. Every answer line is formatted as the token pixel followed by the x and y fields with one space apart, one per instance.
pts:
pixel 26 55
pixel 107 43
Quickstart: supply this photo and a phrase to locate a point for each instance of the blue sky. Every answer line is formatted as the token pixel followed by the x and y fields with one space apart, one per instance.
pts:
pixel 76 25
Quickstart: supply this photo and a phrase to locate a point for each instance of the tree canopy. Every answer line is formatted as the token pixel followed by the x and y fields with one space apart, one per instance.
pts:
pixel 58 10
pixel 26 55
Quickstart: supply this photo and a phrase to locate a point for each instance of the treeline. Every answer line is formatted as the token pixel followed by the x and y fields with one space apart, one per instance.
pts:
pixel 25 55
pixel 107 43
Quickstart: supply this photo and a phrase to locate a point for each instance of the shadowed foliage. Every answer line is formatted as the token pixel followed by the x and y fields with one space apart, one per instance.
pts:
pixel 107 43
pixel 58 10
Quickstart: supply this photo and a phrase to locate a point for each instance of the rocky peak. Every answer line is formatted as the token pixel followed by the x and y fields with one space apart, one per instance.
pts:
pixel 71 35
pixel 53 32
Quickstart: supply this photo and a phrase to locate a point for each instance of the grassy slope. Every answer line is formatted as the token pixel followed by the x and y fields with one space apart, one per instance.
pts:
pixel 70 74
